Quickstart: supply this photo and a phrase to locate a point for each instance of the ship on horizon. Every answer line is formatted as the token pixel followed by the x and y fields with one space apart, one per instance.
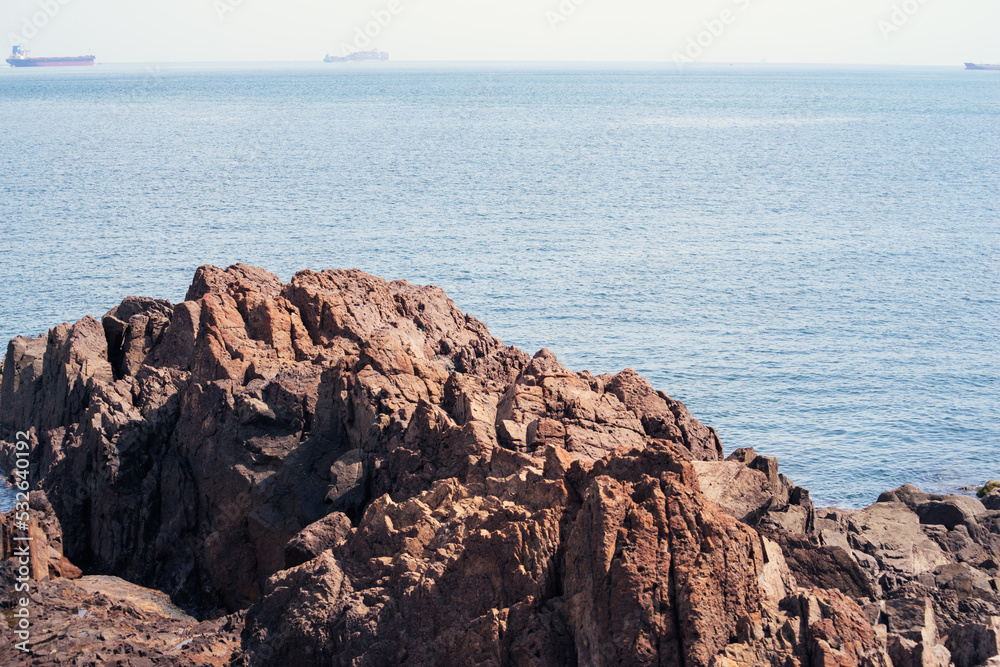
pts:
pixel 975 66
pixel 357 56
pixel 20 58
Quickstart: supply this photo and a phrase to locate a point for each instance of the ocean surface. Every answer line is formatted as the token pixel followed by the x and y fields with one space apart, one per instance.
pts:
pixel 806 256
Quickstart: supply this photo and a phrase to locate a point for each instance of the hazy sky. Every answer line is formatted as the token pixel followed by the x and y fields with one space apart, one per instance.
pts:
pixel 933 32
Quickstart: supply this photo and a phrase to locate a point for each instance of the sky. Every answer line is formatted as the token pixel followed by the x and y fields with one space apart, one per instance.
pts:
pixel 903 32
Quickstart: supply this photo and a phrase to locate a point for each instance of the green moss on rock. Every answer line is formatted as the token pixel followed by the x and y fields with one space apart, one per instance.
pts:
pixel 988 489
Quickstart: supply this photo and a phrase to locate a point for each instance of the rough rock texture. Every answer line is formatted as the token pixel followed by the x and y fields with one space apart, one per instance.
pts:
pixel 90 620
pixel 375 480
pixel 314 539
pixel 991 501
pixel 912 556
pixel 99 620
pixel 619 561
pixel 46 558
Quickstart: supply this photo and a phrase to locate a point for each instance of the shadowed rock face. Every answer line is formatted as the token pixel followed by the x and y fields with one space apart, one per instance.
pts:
pixel 374 479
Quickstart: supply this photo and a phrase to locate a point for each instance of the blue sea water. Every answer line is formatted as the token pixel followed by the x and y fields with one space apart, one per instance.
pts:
pixel 806 256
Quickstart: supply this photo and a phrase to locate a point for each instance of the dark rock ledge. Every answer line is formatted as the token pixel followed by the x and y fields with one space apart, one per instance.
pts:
pixel 347 471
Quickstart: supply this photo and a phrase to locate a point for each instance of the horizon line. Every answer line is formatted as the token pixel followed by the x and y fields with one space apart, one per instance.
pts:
pixel 533 61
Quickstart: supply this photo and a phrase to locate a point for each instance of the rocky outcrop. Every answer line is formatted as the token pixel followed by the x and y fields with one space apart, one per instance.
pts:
pixel 619 561
pixel 372 478
pixel 924 566
pixel 90 619
pixel 101 620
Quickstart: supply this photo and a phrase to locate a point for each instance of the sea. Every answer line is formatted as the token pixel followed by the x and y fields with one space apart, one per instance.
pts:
pixel 806 256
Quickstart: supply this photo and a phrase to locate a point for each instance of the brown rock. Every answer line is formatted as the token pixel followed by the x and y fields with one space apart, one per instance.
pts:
pixel 619 590
pixel 825 566
pixel 45 559
pixel 963 578
pixel 108 621
pixel 890 533
pixel 750 488
pixel 839 633
pixel 950 511
pixel 506 510
pixel 630 569
pixel 314 539
pixel 992 501
pixel 664 418
pixel 974 644
pixel 744 493
pixel 908 653
pixel 22 372
pixel 246 413
pixel 912 619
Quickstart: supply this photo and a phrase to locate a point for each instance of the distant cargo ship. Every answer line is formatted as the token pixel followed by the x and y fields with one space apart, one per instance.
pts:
pixel 374 54
pixel 975 66
pixel 19 58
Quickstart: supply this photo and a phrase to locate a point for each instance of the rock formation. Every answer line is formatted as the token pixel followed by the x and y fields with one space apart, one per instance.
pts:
pixel 350 471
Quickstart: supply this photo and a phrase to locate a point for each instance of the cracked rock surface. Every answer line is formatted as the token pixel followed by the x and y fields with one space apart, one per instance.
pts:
pixel 347 471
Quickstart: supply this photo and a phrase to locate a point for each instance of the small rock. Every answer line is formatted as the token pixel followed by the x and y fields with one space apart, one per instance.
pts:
pixel 973 644
pixel 991 501
pixel 316 538
pixel 744 493
pixel 950 511
pixel 988 488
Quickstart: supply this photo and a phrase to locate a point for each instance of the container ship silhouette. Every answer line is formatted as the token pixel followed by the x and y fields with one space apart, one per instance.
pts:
pixel 374 54
pixel 19 58
pixel 975 66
